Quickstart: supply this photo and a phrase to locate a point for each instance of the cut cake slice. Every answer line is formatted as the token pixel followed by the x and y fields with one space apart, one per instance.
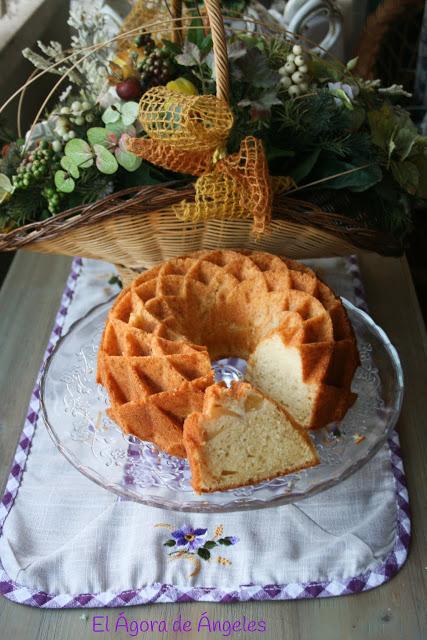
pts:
pixel 241 437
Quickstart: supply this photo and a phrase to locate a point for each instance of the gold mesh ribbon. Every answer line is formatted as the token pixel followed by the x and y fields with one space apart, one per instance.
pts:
pixel 187 134
pixel 186 122
pixel 169 157
pixel 238 187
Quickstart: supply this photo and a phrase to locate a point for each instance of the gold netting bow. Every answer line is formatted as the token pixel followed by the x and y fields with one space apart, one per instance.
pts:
pixel 188 134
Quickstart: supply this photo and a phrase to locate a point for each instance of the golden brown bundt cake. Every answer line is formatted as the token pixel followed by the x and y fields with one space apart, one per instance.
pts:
pixel 241 437
pixel 166 328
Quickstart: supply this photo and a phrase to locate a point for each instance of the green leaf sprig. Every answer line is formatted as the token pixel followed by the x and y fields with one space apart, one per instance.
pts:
pixel 105 147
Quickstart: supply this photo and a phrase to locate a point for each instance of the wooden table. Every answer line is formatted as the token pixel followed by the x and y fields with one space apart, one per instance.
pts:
pixel 396 611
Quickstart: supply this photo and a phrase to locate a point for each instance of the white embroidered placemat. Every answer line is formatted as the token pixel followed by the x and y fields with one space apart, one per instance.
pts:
pixel 65 542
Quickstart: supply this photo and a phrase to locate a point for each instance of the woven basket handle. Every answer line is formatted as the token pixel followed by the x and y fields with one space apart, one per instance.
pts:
pixel 216 23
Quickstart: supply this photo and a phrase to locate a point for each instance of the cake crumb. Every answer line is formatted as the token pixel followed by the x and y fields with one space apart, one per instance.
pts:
pixel 358 438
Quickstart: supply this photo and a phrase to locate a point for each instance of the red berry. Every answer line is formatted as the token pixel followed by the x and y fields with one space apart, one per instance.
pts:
pixel 129 89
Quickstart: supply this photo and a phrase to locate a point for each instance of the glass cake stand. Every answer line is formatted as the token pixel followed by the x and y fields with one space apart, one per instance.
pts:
pixel 73 408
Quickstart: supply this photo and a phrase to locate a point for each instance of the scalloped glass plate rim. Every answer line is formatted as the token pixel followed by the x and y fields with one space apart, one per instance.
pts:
pixel 238 504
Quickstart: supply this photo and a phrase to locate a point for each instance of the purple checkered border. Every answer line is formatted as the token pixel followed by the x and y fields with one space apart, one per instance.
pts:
pixel 149 594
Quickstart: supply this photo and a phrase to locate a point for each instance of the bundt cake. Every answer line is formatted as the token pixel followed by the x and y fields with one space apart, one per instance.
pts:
pixel 242 437
pixel 166 328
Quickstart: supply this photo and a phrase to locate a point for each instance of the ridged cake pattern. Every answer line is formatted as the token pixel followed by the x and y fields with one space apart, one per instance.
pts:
pixel 165 329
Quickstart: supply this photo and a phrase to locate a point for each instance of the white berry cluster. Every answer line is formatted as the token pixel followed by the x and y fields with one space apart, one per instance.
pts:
pixel 294 73
pixel 78 113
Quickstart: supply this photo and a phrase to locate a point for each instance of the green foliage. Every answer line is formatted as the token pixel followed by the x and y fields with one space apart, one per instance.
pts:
pixel 70 166
pixel 98 135
pixel 403 149
pixel 343 135
pixel 347 175
pixel 126 112
pixel 323 141
pixel 89 188
pixel 25 206
pixel 253 68
pixel 325 70
pixel 64 182
pixel 105 161
pixel 277 49
pixel 80 153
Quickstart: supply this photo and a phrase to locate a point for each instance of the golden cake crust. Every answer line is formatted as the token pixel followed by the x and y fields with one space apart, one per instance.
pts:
pixel 166 328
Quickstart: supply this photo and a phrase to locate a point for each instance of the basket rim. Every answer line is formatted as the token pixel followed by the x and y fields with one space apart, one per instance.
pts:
pixel 150 199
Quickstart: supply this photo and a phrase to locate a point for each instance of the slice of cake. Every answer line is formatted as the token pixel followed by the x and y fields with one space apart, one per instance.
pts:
pixel 301 377
pixel 241 437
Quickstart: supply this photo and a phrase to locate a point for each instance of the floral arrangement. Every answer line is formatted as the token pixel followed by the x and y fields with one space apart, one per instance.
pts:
pixel 321 126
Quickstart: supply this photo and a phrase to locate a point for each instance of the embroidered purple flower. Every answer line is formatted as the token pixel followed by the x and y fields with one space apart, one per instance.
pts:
pixel 191 538
pixel 343 93
pixel 191 544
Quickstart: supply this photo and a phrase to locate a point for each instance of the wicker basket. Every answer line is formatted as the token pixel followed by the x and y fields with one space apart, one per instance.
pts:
pixel 136 228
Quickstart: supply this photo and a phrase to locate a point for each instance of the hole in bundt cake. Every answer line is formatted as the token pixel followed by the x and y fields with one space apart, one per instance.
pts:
pixel 229 370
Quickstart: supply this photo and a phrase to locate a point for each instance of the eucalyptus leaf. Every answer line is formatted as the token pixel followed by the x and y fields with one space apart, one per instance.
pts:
pixel 80 152
pixel 117 128
pixel 99 135
pixel 105 160
pixel 64 182
pixel 112 114
pixel 70 167
pixel 129 113
pixel 128 160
